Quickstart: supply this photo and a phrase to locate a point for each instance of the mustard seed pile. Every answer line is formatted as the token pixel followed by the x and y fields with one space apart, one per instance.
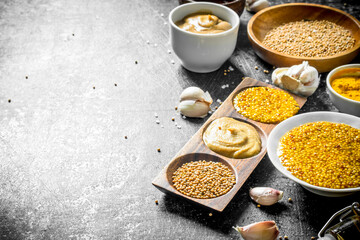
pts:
pixel 203 179
pixel 309 38
pixel 323 154
pixel 264 104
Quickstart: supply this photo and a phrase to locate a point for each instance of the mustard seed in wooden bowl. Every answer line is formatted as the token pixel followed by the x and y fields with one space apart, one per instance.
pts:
pixel 311 38
pixel 265 104
pixel 323 154
pixel 203 179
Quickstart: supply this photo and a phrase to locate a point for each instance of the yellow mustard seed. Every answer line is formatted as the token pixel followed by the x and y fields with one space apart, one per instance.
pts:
pixel 323 154
pixel 265 104
pixel 203 179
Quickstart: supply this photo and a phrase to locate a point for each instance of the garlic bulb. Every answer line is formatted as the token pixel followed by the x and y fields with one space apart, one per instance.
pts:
pixel 194 102
pixel 300 79
pixel 259 231
pixel 266 196
pixel 256 5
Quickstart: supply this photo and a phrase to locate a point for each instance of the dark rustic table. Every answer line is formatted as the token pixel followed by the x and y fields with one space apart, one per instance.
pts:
pixel 80 84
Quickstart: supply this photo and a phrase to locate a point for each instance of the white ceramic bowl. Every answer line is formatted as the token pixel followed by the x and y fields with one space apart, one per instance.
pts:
pixel 203 53
pixel 287 125
pixel 344 104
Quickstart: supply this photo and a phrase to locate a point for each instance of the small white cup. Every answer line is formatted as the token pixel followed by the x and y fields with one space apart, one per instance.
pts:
pixel 344 104
pixel 203 53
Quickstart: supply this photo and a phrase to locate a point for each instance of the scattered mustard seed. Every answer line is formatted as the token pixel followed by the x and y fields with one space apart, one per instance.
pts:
pixel 136 62
pixel 115 85
pixel 176 108
pixel 125 137
pixel 290 200
pixel 216 107
pixel 256 67
pixel 286 237
pixel 158 150
pixel 219 128
pixel 94 87
pixel 172 119
pixel 210 214
pixel 274 67
pixel 26 77
pixel 225 73
pixel 313 238
pixel 266 71
pixel 243 78
pixel 258 205
pixel 73 34
pixel 156 202
pixel 280 238
pixel 9 100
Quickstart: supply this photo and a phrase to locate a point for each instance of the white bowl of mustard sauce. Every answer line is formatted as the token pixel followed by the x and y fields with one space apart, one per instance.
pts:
pixel 343 103
pixel 201 52
pixel 282 128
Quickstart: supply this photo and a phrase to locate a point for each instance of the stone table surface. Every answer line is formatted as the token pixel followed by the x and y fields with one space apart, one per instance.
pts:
pixel 78 132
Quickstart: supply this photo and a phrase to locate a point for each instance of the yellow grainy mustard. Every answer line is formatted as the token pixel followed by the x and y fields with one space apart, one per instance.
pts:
pixel 264 104
pixel 323 154
pixel 203 179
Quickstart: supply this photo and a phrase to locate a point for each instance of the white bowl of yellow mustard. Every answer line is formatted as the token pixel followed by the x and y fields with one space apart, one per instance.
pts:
pixel 319 158
pixel 343 85
pixel 203 35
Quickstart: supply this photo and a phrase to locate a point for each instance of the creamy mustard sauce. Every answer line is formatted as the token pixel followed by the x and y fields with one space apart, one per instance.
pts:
pixel 203 23
pixel 232 138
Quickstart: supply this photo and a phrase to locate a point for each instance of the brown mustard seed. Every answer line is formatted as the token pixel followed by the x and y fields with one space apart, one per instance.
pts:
pixel 156 202
pixel 203 179
pixel 158 150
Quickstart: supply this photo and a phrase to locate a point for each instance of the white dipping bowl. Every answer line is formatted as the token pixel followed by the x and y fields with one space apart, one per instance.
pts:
pixel 344 104
pixel 287 125
pixel 203 53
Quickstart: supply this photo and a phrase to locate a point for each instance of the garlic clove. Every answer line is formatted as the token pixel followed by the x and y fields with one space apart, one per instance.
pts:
pixel 266 196
pixel 259 231
pixel 289 83
pixel 296 70
pixel 308 75
pixel 191 108
pixel 276 75
pixel 256 5
pixel 195 93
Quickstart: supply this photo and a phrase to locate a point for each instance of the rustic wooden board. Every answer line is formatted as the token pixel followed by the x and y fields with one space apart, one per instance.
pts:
pixel 195 149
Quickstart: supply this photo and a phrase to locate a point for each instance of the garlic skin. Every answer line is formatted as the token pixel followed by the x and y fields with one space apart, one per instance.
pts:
pixel 300 79
pixel 256 5
pixel 194 102
pixel 259 231
pixel 265 196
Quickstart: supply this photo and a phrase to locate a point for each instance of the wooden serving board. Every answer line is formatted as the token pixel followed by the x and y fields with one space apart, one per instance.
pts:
pixel 195 149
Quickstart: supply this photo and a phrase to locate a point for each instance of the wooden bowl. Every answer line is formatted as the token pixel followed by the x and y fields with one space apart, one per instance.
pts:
pixel 267 19
pixel 236 5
